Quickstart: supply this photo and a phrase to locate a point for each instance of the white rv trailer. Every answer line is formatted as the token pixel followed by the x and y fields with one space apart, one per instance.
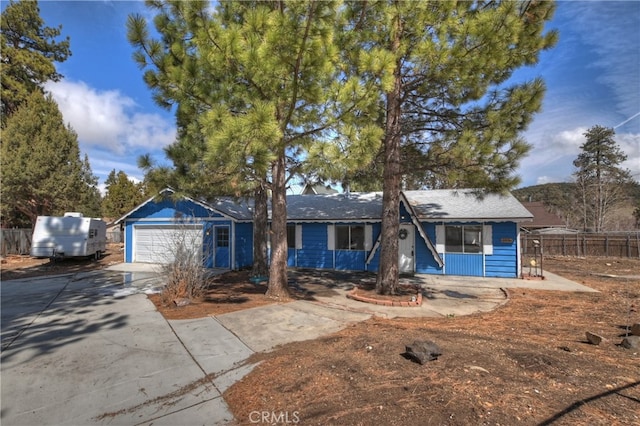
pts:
pixel 71 235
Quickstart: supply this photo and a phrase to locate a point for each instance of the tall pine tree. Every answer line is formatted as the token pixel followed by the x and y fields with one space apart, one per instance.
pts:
pixel 42 173
pixel 262 82
pixel 447 113
pixel 600 179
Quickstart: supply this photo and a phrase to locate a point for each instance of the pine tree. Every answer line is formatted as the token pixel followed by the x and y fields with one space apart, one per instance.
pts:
pixel 90 200
pixel 446 108
pixel 29 50
pixel 42 173
pixel 601 181
pixel 261 82
pixel 121 195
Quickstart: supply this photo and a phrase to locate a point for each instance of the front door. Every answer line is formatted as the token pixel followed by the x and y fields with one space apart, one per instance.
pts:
pixel 221 244
pixel 406 249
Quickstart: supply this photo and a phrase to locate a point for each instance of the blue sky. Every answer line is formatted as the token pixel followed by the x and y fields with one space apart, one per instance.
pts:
pixel 592 77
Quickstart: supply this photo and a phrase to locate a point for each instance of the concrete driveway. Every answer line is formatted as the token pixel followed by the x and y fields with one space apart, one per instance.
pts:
pixel 92 349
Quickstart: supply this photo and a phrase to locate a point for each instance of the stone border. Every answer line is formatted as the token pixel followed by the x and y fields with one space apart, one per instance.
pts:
pixel 352 294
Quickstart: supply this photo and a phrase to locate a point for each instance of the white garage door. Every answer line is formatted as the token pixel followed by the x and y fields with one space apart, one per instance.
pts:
pixel 158 243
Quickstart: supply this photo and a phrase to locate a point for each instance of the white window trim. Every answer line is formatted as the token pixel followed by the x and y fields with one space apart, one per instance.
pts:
pixel 298 237
pixel 487 239
pixel 368 237
pixel 440 238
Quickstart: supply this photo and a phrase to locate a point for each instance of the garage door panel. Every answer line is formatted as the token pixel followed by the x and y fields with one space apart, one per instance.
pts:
pixel 157 244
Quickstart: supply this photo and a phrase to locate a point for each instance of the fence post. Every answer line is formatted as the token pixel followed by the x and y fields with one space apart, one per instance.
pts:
pixel 628 245
pixel 577 244
pixel 606 245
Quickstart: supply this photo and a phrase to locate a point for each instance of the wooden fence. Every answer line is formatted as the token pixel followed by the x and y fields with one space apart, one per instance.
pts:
pixel 18 241
pixel 619 244
pixel 15 241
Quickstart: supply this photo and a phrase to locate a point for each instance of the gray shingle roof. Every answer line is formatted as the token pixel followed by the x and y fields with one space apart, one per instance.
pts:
pixel 356 206
pixel 239 209
pixel 463 204
pixel 444 204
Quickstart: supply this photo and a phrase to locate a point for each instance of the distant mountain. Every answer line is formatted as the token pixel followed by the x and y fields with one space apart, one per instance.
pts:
pixel 552 194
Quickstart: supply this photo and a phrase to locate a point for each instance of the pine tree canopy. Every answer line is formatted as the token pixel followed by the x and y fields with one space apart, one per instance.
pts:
pixel 122 195
pixel 42 173
pixel 29 50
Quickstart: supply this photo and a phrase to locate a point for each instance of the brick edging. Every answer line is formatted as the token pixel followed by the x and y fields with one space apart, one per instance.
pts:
pixel 352 294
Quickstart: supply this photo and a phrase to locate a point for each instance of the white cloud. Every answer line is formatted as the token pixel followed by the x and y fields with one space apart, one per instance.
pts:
pixel 612 30
pixel 108 119
pixel 630 145
pixel 545 179
pixel 551 160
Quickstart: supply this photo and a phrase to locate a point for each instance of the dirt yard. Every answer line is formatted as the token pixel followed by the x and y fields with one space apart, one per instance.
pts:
pixel 527 362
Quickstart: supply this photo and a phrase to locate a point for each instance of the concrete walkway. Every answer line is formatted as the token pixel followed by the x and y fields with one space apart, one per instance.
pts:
pixel 91 348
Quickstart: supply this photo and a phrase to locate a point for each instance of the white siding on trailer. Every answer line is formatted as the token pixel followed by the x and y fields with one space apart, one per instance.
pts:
pixel 157 243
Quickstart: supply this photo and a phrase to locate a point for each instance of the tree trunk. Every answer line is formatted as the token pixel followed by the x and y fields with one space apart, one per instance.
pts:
pixel 387 279
pixel 260 232
pixel 278 285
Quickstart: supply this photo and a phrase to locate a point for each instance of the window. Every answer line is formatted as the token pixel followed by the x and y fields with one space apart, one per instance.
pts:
pixel 463 238
pixel 222 237
pixel 291 236
pixel 349 237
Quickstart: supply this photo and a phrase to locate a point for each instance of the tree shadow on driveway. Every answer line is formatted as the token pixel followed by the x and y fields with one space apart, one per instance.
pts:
pixel 42 315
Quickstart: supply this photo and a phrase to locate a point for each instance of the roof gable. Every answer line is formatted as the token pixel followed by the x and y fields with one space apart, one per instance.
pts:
pixel 161 205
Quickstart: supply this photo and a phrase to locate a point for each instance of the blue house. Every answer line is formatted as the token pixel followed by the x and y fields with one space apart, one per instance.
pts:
pixel 451 232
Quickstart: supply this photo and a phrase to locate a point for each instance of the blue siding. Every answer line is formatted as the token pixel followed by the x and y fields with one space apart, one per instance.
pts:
pixel 350 260
pixel 405 216
pixel 425 262
pixel 314 253
pixel 244 245
pixel 463 264
pixel 504 261
pixel 374 265
pixel 291 257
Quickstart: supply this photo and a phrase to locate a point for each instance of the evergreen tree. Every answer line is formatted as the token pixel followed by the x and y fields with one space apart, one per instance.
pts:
pixel 261 83
pixel 29 50
pixel 122 195
pixel 447 113
pixel 90 200
pixel 42 173
pixel 601 181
